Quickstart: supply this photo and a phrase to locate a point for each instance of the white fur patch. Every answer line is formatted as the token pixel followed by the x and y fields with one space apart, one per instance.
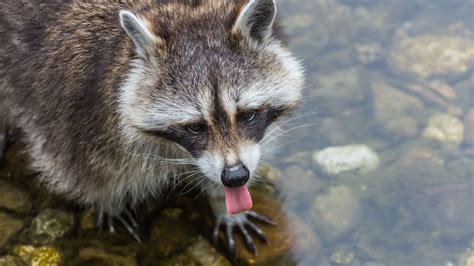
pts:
pixel 276 90
pixel 211 165
pixel 250 156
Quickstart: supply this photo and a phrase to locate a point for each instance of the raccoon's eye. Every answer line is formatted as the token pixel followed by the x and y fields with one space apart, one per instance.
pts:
pixel 248 116
pixel 196 128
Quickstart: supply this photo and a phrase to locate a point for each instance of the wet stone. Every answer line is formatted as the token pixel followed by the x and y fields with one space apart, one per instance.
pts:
pixel 402 128
pixel 368 54
pixel 391 103
pixel 50 225
pixel 469 128
pixel 341 85
pixel 38 256
pixel 14 198
pixel 342 256
pixel 97 256
pixel 291 233
pixel 297 184
pixel 338 159
pixel 445 129
pixel 336 213
pixel 170 233
pixel 204 253
pixel 432 56
pixel 446 209
pixel 8 227
pixel 466 259
pixel 178 260
pixel 11 261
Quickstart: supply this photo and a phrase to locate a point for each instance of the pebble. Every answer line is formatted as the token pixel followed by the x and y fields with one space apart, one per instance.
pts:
pixel 338 159
pixel 9 226
pixel 50 225
pixel 336 213
pixel 432 56
pixel 38 256
pixel 445 129
pixel 11 261
pixel 14 198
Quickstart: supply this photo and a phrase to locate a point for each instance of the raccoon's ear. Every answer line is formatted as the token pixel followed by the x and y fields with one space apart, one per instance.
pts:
pixel 256 19
pixel 146 42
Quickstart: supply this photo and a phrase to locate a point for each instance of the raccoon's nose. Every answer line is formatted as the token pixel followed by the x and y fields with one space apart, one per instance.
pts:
pixel 235 176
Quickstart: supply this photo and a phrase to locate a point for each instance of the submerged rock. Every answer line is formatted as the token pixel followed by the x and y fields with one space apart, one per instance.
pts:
pixel 445 129
pixel 204 253
pixel 336 213
pixel 297 184
pixel 391 103
pixel 447 209
pixel 338 159
pixel 13 198
pixel 165 242
pixel 432 56
pixel 368 54
pixel 402 128
pixel 341 85
pixel 11 261
pixel 469 128
pixel 8 227
pixel 467 259
pixel 50 225
pixel 292 236
pixel 41 256
pixel 97 256
pixel 342 256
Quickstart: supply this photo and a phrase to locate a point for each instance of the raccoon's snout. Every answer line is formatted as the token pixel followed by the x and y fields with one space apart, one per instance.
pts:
pixel 235 176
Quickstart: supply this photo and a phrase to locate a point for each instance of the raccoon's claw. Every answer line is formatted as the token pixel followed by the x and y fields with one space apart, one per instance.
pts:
pixel 244 225
pixel 127 220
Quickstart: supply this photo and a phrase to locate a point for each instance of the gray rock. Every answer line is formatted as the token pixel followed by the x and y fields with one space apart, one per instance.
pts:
pixel 336 213
pixel 401 128
pixel 38 256
pixel 469 128
pixel 467 258
pixel 343 85
pixel 342 256
pixel 447 209
pixel 445 129
pixel 50 225
pixel 391 103
pixel 97 256
pixel 8 227
pixel 338 159
pixel 368 54
pixel 11 261
pixel 14 198
pixel 205 254
pixel 432 56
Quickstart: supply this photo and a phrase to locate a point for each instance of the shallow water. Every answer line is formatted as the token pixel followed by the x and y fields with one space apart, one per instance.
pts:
pixel 396 77
pixel 389 88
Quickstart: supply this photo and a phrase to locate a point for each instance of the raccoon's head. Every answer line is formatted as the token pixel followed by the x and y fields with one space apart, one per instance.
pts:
pixel 213 77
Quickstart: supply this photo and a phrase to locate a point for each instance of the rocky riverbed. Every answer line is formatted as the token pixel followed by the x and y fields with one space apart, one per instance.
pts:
pixel 377 169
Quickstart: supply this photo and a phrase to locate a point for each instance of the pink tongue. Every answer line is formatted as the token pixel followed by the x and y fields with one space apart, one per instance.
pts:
pixel 237 199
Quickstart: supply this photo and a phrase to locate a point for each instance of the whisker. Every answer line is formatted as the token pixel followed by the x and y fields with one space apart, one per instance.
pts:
pixel 311 112
pixel 280 133
pixel 193 187
pixel 279 146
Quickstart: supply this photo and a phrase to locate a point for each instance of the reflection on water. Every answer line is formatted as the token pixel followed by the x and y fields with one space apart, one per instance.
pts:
pixel 376 169
pixel 385 177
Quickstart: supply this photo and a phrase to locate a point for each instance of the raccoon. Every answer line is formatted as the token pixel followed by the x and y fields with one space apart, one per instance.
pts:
pixel 116 99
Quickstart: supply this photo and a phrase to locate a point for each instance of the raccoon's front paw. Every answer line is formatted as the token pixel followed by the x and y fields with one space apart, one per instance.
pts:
pixel 126 218
pixel 243 223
